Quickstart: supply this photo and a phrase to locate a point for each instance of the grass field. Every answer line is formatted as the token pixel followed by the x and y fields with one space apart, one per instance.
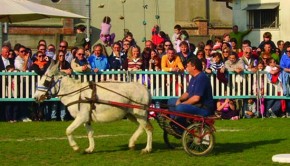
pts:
pixel 243 142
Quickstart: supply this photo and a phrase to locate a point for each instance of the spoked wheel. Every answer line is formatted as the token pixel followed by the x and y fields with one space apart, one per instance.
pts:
pixel 199 141
pixel 172 142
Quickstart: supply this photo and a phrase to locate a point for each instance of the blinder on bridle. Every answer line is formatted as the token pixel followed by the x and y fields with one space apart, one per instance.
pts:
pixel 48 84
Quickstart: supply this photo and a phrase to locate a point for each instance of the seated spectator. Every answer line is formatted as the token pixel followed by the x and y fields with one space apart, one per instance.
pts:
pixel 227 109
pixel 98 61
pixel 80 63
pixel 171 62
pixel 250 109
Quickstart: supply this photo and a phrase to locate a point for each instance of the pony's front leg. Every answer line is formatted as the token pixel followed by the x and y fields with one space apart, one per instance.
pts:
pixel 90 132
pixel 75 124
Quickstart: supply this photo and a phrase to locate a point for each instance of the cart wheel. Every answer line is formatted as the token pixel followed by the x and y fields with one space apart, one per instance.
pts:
pixel 200 141
pixel 172 142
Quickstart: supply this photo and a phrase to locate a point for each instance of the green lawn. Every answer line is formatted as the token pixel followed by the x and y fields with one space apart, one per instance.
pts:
pixel 242 142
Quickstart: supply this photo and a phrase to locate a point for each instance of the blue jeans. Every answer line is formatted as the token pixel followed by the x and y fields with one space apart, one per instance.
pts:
pixel 186 108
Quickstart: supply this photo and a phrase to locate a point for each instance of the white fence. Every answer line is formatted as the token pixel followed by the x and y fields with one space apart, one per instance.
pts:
pixel 20 86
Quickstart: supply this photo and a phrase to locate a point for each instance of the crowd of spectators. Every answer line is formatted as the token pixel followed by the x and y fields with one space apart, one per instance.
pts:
pixel 229 53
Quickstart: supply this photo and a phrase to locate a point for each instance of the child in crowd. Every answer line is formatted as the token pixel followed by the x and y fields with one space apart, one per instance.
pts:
pixel 250 109
pixel 217 66
pixel 227 109
pixel 81 36
pixel 273 69
pixel 176 35
pixel 105 35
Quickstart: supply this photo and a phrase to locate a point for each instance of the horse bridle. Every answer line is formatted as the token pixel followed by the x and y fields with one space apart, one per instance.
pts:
pixel 48 84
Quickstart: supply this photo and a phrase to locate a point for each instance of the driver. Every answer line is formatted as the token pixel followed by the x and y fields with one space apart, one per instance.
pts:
pixel 198 98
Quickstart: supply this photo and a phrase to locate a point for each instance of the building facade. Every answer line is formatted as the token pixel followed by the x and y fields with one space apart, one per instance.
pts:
pixel 263 16
pixel 136 16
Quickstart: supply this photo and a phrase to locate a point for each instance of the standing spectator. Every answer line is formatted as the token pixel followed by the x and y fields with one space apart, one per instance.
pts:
pixel 134 61
pixel 106 36
pixel 146 56
pixel 98 60
pixel 208 55
pixel 4 62
pixel 155 61
pixel 125 48
pixel 80 63
pixel 39 66
pixel 63 45
pixel 11 109
pixel 249 62
pixel 171 62
pixel 81 36
pixel 280 46
pixel 117 59
pixel 176 36
pixel 41 48
pixel 225 54
pixel 267 51
pixel 149 44
pixel 239 35
pixel 184 53
pixel 267 38
pixel 129 37
pixel 285 66
pixel 158 36
pixel 50 51
pixel 167 45
pixel 65 67
pixel 200 54
pixel 234 46
pixel 22 61
pixel 234 64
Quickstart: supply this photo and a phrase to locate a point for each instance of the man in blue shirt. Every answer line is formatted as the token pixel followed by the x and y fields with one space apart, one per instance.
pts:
pixel 198 98
pixel 98 61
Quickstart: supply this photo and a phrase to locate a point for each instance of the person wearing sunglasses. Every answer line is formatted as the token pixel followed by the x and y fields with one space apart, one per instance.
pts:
pixel 22 61
pixel 80 63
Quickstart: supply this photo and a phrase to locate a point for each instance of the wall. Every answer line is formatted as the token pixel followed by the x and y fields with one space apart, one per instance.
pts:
pixel 134 17
pixel 256 36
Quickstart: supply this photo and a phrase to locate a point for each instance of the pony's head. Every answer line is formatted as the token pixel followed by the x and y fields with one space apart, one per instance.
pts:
pixel 47 84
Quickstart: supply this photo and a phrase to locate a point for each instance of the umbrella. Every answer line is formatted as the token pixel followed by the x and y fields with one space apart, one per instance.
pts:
pixel 24 10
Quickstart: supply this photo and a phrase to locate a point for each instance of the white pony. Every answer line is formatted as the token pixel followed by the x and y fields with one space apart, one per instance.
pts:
pixel 88 102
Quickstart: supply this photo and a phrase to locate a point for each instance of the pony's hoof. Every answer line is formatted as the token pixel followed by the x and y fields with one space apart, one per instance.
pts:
pixel 89 150
pixel 76 148
pixel 145 151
